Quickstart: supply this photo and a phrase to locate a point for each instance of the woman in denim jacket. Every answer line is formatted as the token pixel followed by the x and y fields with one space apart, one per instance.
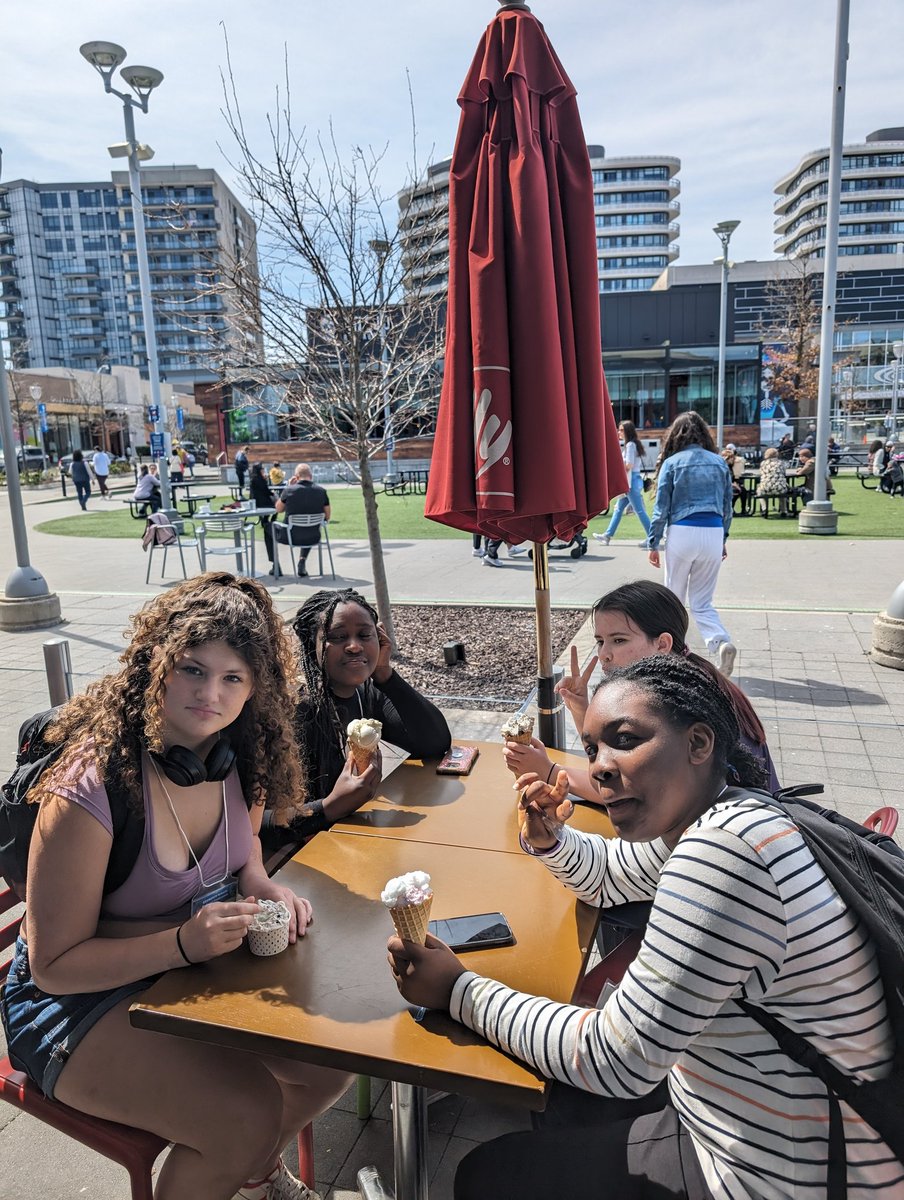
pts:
pixel 693 498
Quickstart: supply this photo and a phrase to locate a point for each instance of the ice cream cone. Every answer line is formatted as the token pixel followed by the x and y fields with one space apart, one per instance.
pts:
pixel 362 758
pixel 411 920
pixel 518 729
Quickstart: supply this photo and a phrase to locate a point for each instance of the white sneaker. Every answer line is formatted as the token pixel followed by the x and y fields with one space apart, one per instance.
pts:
pixel 489 561
pixel 605 538
pixel 478 553
pixel 514 551
pixel 728 652
pixel 280 1184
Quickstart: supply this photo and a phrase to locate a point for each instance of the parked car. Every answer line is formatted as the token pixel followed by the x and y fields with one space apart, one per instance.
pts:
pixel 29 458
pixel 66 461
pixel 200 452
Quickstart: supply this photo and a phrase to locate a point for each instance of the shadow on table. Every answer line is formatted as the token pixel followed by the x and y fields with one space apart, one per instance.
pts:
pixel 814 691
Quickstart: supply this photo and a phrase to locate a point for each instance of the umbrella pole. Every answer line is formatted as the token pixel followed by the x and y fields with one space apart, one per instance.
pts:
pixel 549 706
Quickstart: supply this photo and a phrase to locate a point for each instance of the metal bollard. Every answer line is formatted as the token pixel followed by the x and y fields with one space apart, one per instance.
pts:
pixel 63 481
pixel 58 666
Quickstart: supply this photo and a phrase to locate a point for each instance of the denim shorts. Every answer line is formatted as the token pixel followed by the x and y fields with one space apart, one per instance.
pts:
pixel 43 1030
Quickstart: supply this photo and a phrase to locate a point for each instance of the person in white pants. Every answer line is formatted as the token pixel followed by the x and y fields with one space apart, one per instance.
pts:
pixel 694 499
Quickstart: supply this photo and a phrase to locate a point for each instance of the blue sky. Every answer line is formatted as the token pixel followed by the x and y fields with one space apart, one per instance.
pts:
pixel 739 91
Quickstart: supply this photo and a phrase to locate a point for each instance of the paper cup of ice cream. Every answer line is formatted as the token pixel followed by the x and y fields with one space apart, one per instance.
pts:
pixel 409 899
pixel 268 932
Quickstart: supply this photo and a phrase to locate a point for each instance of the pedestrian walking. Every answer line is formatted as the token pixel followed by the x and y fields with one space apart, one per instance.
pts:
pixel 693 499
pixel 632 456
pixel 487 549
pixel 81 477
pixel 241 467
pixel 177 474
pixel 100 465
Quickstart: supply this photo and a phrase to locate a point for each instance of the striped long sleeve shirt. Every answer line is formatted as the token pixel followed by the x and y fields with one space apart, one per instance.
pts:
pixel 740 909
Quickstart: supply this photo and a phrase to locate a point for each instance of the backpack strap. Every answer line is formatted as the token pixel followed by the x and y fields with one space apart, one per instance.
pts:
pixel 128 836
pixel 799 1050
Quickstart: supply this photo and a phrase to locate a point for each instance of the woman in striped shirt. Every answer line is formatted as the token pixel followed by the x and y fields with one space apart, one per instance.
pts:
pixel 740 910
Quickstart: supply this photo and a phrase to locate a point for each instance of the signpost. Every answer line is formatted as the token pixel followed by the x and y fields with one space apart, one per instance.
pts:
pixel 153 414
pixel 157 447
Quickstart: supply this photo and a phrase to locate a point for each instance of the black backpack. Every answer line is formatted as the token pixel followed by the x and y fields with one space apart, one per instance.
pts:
pixel 867 871
pixel 17 817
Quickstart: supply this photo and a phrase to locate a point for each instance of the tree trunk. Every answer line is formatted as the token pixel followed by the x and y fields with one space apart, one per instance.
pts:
pixel 381 588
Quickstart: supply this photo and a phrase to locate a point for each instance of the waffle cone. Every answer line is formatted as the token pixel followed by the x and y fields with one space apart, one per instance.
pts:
pixel 523 739
pixel 411 921
pixel 362 757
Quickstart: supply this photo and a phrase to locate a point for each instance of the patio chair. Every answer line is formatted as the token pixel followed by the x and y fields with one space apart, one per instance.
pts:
pixel 135 1149
pixel 164 534
pixel 308 521
pixel 241 548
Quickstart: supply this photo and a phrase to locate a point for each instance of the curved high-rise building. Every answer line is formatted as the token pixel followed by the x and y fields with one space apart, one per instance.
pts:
pixel 871 213
pixel 635 206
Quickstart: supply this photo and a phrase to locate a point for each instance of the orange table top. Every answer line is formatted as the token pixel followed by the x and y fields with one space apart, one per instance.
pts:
pixel 477 810
pixel 331 1000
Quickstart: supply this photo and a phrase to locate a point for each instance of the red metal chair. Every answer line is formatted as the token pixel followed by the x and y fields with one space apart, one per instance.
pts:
pixel 134 1149
pixel 883 820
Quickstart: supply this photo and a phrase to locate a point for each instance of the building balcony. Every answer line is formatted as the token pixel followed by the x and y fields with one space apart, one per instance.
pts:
pixel 80 289
pixel 80 273
pixel 7 274
pixel 6 256
pixel 6 235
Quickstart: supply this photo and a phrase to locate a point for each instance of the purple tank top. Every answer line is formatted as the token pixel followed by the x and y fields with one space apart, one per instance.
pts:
pixel 152 891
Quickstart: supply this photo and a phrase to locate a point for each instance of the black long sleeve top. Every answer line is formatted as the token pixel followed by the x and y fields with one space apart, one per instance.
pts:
pixel 409 720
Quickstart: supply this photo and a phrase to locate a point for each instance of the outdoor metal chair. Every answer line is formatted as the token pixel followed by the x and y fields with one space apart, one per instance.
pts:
pixel 241 548
pixel 308 521
pixel 170 535
pixel 134 1149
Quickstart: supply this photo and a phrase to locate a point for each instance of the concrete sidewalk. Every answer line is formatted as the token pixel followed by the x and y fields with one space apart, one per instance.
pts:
pixel 800 611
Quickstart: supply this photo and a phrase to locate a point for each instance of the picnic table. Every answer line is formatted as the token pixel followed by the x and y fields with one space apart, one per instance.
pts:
pixel 407 483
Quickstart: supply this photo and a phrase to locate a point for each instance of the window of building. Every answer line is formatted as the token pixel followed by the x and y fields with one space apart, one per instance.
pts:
pixel 51 224
pixel 49 200
pixel 112 220
pixel 54 245
pixel 66 200
pixel 109 198
pixel 88 199
pixel 92 221
pixel 70 245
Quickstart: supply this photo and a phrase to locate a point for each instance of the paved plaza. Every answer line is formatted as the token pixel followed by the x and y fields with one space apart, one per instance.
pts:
pixel 801 612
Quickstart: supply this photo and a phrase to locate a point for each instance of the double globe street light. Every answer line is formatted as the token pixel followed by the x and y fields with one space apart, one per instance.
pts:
pixel 105 57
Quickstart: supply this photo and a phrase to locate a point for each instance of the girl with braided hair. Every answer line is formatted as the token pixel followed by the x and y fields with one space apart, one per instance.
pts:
pixel 632 622
pixel 741 913
pixel 194 736
pixel 347 673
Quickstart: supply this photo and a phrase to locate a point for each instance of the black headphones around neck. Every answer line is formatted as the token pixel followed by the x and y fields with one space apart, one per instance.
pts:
pixel 185 768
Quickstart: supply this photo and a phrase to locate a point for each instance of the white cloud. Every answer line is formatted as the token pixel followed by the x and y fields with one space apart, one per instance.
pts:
pixel 738 91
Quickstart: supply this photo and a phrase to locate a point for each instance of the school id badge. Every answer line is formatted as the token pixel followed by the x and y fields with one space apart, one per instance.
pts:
pixel 215 893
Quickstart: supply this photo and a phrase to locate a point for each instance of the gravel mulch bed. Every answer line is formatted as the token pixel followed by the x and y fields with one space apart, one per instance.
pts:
pixel 500 651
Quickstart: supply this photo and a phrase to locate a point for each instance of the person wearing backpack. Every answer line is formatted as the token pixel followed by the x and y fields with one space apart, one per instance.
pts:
pixel 744 920
pixel 194 734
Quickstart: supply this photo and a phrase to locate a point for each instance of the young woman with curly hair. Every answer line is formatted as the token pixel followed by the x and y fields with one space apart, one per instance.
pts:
pixel 195 729
pixel 693 499
pixel 347 673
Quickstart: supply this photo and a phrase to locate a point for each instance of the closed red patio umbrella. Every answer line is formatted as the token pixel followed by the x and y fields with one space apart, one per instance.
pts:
pixel 526 445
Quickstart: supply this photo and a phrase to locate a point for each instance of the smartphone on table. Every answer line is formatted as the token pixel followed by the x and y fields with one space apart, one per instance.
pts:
pixel 480 932
pixel 458 760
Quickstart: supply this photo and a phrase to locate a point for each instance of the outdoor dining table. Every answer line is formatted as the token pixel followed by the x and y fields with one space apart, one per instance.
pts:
pixel 330 999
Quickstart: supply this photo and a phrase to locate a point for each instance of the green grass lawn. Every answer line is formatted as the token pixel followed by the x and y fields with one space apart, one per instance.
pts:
pixel 861 514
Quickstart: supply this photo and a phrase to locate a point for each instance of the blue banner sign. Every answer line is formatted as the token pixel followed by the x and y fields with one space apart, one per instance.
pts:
pixel 153 413
pixel 157 445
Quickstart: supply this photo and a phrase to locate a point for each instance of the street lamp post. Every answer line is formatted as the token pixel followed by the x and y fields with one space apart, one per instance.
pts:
pixel 36 392
pixel 27 601
pixel 723 232
pixel 105 57
pixel 381 250
pixel 898 351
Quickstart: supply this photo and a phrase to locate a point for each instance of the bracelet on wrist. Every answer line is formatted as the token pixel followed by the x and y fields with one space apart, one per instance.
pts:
pixel 181 947
pixel 551 769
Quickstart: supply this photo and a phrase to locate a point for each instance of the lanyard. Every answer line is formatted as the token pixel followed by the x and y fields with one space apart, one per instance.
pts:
pixel 204 882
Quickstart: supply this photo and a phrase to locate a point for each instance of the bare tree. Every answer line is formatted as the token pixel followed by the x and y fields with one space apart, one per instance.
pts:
pixel 349 335
pixel 791 328
pixel 89 396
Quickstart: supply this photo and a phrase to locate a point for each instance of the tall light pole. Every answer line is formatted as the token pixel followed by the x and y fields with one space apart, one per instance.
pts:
pixel 27 601
pixel 105 57
pixel 381 250
pixel 818 516
pixel 898 351
pixel 723 232
pixel 36 392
